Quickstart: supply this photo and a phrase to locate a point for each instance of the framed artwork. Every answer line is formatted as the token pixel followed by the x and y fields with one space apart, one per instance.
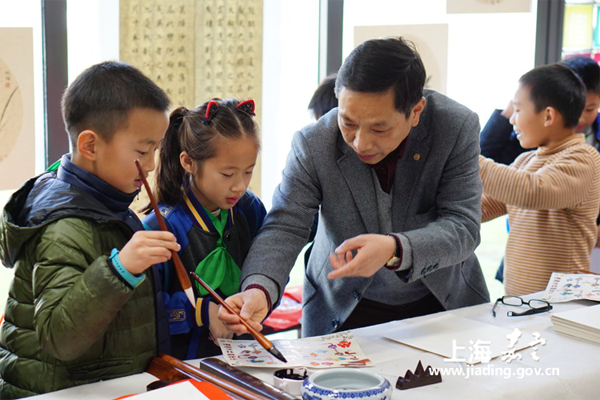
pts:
pixel 17 153
pixel 487 6
pixel 577 29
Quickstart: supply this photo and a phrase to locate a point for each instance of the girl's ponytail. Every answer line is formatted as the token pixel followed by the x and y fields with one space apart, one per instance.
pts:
pixel 170 173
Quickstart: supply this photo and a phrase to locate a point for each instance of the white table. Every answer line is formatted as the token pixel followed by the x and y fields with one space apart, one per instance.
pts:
pixel 577 362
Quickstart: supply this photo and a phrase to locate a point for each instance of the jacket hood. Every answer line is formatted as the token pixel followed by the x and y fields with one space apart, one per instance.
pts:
pixel 39 201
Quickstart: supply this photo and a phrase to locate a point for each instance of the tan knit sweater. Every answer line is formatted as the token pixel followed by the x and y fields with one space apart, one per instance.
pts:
pixel 552 197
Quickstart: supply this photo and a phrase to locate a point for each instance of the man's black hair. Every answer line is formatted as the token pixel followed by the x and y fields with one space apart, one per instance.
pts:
pixel 379 65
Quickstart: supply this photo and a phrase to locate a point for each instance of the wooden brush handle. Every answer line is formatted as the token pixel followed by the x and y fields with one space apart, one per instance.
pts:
pixel 225 371
pixel 260 338
pixel 182 275
pixel 172 369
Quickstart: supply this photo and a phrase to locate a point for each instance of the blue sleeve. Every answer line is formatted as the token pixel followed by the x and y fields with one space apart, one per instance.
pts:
pixel 150 222
pixel 497 140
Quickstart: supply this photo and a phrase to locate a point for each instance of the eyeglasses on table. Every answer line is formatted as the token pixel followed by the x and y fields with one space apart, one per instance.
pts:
pixel 535 306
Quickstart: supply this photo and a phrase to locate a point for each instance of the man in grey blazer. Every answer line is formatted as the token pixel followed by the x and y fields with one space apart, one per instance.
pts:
pixel 394 174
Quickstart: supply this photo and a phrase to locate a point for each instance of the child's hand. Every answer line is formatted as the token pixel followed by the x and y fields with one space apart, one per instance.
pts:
pixel 146 248
pixel 218 329
pixel 508 111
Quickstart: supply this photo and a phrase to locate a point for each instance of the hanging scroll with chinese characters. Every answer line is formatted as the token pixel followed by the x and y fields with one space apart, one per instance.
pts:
pixel 157 36
pixel 197 49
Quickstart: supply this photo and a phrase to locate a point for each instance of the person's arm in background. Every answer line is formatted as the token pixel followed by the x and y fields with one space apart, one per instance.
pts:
pixel 560 184
pixel 497 140
pixel 491 209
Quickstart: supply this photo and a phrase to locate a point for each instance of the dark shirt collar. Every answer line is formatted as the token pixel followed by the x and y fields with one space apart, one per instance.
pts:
pixel 386 168
pixel 115 200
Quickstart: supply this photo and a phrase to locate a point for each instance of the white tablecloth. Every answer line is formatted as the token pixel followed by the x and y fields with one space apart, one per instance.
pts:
pixel 568 368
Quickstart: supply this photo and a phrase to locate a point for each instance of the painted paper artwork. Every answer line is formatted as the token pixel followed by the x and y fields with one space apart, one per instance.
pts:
pixel 567 287
pixel 329 351
pixel 577 28
pixel 17 129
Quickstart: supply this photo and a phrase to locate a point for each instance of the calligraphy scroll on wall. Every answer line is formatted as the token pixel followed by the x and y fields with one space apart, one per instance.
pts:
pixel 197 49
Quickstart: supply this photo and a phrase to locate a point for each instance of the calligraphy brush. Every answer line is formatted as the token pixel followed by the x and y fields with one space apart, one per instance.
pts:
pixel 184 279
pixel 262 340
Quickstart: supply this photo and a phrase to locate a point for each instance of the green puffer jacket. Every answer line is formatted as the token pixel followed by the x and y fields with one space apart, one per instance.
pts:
pixel 69 320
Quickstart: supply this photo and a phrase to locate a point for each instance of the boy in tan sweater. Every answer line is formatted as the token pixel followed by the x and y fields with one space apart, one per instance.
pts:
pixel 552 194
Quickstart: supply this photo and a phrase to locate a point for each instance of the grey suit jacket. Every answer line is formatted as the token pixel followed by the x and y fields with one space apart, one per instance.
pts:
pixel 436 206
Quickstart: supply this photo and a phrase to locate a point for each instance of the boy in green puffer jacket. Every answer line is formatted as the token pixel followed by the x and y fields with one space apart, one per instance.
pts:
pixel 82 305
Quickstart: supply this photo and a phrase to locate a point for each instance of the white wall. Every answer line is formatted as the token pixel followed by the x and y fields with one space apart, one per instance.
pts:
pixel 93 33
pixel 290 76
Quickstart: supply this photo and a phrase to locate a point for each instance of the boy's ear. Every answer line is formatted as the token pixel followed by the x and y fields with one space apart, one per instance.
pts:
pixel 550 116
pixel 87 143
pixel 186 162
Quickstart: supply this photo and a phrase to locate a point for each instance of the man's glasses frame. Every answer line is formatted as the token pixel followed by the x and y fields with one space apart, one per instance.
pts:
pixel 535 306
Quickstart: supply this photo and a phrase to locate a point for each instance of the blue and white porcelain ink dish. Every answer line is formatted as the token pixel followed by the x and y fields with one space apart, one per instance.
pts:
pixel 346 383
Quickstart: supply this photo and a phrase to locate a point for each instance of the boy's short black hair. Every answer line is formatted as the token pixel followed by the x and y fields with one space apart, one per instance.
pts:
pixel 323 100
pixel 588 70
pixel 101 97
pixel 379 65
pixel 556 86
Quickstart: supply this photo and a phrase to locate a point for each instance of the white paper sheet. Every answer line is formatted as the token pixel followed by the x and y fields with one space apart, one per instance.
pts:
pixel 458 339
pixel 583 323
pixel 183 390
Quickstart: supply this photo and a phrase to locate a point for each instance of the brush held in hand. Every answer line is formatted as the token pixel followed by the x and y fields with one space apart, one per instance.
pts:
pixel 182 276
pixel 260 338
